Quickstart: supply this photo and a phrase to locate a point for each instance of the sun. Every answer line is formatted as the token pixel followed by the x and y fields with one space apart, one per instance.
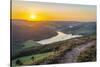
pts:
pixel 33 17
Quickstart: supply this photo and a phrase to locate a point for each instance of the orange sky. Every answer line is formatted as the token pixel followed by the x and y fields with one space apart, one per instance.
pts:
pixel 52 12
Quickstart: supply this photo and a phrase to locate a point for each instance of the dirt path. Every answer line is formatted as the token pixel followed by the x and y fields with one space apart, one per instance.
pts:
pixel 72 55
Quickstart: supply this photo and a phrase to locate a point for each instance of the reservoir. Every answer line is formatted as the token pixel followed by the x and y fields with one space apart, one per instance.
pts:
pixel 60 37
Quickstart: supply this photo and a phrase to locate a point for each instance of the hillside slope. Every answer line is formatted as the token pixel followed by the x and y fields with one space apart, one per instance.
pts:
pixel 55 52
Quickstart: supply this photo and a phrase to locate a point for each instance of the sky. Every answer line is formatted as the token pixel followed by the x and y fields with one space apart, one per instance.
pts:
pixel 40 11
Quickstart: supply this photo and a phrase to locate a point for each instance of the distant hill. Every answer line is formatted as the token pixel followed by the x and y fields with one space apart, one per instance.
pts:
pixel 81 29
pixel 25 30
pixel 73 27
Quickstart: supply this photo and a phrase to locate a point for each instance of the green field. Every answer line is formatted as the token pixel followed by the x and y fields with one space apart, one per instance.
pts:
pixel 27 59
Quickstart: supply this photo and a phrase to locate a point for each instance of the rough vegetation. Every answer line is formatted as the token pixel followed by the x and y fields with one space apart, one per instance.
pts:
pixel 88 55
pixel 51 53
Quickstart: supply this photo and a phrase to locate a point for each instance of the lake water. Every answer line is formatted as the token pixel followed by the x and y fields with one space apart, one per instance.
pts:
pixel 60 37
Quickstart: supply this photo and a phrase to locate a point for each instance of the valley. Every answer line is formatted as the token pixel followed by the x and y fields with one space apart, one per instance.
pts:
pixel 36 43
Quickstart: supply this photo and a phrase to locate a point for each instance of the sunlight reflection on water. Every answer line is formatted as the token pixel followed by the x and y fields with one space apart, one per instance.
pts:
pixel 60 37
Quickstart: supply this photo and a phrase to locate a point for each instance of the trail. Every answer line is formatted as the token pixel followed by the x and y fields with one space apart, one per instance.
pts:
pixel 72 55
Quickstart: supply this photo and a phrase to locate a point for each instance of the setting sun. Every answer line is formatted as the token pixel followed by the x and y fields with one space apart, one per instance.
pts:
pixel 43 12
pixel 32 17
